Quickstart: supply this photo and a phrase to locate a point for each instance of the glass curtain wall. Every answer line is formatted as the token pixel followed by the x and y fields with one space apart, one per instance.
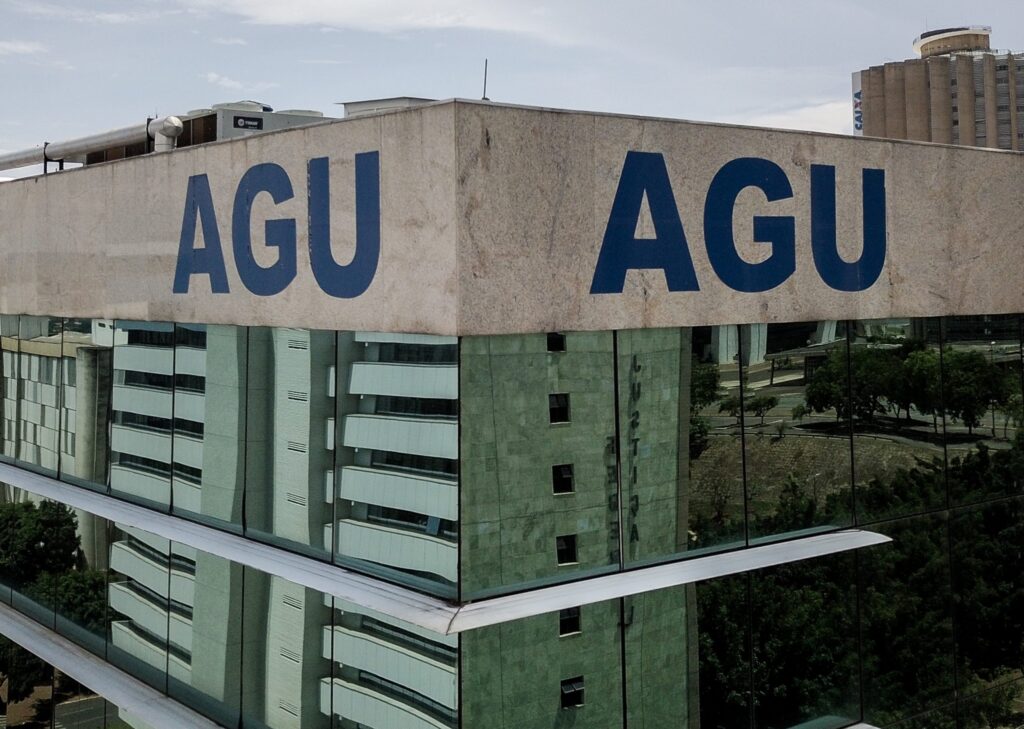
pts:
pixel 241 647
pixel 341 446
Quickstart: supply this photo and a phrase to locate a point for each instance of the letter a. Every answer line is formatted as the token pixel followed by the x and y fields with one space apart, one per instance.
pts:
pixel 208 260
pixel 644 172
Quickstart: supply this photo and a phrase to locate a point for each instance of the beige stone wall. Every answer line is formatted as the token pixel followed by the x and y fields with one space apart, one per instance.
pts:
pixel 492 220
pixel 534 205
pixel 103 241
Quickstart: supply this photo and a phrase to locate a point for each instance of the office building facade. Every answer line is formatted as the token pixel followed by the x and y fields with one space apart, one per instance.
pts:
pixel 959 91
pixel 472 415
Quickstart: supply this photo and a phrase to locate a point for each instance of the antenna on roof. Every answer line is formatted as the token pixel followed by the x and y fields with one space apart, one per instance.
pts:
pixel 484 97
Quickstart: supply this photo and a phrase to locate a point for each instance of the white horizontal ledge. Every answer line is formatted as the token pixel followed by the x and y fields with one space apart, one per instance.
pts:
pixel 622 584
pixel 421 610
pixel 132 697
pixel 390 600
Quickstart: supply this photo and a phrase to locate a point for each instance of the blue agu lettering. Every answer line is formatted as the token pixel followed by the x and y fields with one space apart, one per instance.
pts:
pixel 779 231
pixel 273 279
pixel 644 172
pixel 833 270
pixel 208 260
pixel 352 279
pixel 340 280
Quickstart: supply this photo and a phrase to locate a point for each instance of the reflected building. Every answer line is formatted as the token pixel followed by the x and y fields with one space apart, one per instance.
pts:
pixel 397 500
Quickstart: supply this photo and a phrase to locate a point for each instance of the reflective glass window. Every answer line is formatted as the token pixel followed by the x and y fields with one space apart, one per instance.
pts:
pixel 5 682
pixel 205 634
pixel 796 414
pixel 906 620
pixel 987 555
pixel 40 375
pixel 74 705
pixel 80 587
pixel 709 509
pixel 209 425
pixel 898 421
pixel 141 458
pixel 806 663
pixel 86 402
pixel 655 379
pixel 982 402
pixel 395 488
pixel 388 672
pixel 9 349
pixel 290 438
pixel 37 544
pixel 722 638
pixel 140 639
pixel 286 644
pixel 523 674
pixel 29 687
pixel 509 445
pixel 663 656
pixel 999 706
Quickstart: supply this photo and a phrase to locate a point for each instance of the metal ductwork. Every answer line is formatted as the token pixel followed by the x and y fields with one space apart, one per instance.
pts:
pixel 162 131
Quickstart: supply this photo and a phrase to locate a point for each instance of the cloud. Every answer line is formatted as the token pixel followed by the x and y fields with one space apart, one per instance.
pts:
pixel 19 48
pixel 231 41
pixel 217 80
pixel 830 116
pixel 226 82
pixel 528 17
pixel 83 15
pixel 324 61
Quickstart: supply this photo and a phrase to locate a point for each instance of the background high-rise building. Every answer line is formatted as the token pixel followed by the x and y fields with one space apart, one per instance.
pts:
pixel 959 91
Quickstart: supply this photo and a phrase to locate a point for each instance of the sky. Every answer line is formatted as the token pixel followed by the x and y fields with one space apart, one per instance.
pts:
pixel 73 68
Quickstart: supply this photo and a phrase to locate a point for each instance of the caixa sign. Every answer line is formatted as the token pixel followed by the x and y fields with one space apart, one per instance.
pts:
pixel 644 173
pixel 341 280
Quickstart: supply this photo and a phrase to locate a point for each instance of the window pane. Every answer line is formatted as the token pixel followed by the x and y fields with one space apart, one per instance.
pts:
pixel 518 674
pixel 711 486
pixel 982 400
pixel 388 673
pixel 797 427
pixel 205 635
pixel 5 657
pixel 655 368
pixel 209 422
pixel 987 547
pixel 286 671
pixel 37 544
pixel 290 437
pixel 806 661
pixel 80 587
pixel 74 705
pixel 397 482
pixel 899 454
pixel 86 401
pixel 39 392
pixel 723 634
pixel 29 687
pixel 9 367
pixel 509 444
pixel 143 409
pixel 1000 706
pixel 142 568
pixel 906 621
pixel 662 658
